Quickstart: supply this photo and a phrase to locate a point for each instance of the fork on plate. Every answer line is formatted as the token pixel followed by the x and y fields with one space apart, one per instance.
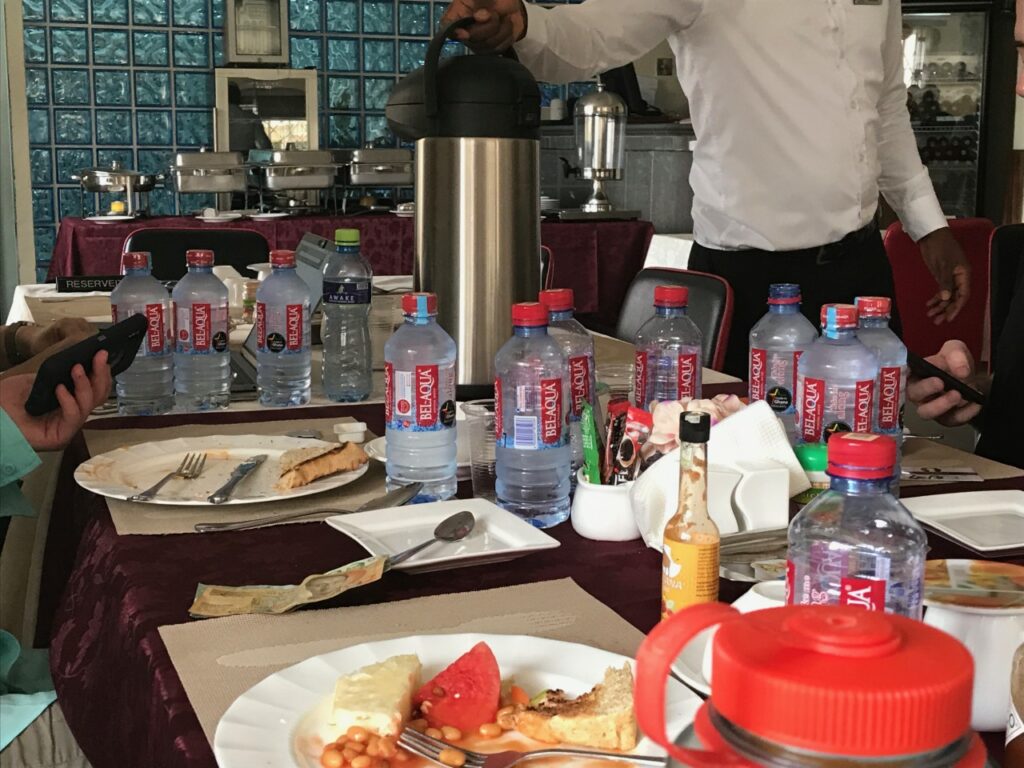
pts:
pixel 190 468
pixel 430 748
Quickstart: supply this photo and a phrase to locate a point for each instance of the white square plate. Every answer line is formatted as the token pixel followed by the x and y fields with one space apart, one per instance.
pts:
pixel 497 536
pixel 986 521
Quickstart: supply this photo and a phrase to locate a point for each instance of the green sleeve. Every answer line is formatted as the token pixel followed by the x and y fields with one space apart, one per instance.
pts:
pixel 17 459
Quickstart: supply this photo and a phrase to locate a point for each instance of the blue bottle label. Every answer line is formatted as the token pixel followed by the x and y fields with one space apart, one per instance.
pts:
pixel 346 292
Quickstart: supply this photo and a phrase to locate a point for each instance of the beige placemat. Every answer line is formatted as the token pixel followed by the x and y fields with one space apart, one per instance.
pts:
pixel 219 659
pixel 929 453
pixel 152 519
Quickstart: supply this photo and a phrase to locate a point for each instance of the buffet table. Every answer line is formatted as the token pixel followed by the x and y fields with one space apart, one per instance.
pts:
pixel 596 259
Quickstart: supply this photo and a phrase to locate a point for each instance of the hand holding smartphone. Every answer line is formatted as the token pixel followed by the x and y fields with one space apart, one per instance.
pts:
pixel 924 370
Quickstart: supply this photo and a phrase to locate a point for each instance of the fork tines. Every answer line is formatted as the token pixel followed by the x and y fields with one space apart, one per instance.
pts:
pixel 192 465
pixel 430 748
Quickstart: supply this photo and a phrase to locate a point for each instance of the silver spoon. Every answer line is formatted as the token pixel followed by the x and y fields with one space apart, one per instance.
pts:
pixel 453 528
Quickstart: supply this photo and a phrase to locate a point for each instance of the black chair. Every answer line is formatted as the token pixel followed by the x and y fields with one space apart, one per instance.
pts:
pixel 1006 272
pixel 232 247
pixel 710 307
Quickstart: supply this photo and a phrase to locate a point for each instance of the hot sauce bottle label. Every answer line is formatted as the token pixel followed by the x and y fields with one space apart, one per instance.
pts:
pixel 689 573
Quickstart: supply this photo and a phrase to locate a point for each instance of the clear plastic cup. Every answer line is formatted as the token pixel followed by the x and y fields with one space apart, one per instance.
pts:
pixel 480 420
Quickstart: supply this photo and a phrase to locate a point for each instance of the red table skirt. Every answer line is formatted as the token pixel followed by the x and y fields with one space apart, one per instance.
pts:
pixel 596 259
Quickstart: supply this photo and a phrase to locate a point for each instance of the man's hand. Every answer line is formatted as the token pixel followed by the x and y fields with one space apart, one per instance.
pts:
pixel 932 399
pixel 497 23
pixel 53 430
pixel 946 261
pixel 36 339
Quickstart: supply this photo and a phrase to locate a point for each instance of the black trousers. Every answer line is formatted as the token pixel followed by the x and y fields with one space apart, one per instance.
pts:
pixel 834 273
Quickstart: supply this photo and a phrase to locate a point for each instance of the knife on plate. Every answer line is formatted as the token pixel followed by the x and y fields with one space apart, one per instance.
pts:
pixel 238 474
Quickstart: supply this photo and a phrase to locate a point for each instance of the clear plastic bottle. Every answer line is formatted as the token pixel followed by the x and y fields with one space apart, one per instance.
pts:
pixel 835 390
pixel 202 363
pixel 668 351
pixel 578 346
pixel 532 450
pixel 283 334
pixel 856 544
pixel 347 366
pixel 419 401
pixel 147 387
pixel 776 343
pixel 873 314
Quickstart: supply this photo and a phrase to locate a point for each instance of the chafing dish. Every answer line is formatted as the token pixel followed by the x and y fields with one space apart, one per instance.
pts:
pixel 118 180
pixel 204 171
pixel 378 167
pixel 297 169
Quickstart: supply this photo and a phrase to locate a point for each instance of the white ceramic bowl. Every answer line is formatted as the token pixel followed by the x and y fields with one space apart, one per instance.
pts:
pixel 603 512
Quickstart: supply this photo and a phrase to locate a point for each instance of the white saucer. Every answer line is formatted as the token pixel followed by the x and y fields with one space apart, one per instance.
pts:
pixel 269 216
pixel 219 218
pixel 110 217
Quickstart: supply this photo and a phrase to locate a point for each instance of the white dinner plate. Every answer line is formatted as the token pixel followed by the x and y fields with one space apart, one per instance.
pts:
pixel 282 720
pixel 377 448
pixel 220 218
pixel 689 664
pixel 126 471
pixel 109 218
pixel 985 521
pixel 497 536
pixel 269 216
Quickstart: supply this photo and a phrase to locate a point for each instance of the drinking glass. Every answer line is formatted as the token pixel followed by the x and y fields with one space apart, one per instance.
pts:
pixel 480 420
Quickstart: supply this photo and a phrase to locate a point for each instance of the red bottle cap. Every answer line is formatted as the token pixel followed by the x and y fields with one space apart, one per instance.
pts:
pixel 861 457
pixel 135 260
pixel 839 316
pixel 199 258
pixel 874 306
pixel 557 299
pixel 671 296
pixel 282 258
pixel 419 304
pixel 529 313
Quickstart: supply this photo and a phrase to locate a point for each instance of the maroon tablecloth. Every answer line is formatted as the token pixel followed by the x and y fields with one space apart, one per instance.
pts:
pixel 115 681
pixel 596 259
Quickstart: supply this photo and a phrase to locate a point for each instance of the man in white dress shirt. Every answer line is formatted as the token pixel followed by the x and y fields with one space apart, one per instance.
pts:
pixel 799 108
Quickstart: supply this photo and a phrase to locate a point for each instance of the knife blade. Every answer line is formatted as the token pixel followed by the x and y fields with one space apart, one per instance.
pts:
pixel 238 474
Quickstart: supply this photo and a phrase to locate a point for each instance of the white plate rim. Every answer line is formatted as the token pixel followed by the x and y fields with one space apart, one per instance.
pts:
pixel 918 507
pixel 111 218
pixel 376 449
pixel 220 218
pixel 268 216
pixel 275 733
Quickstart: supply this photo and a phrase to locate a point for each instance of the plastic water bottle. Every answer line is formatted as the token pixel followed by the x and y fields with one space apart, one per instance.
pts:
pixel 855 544
pixel 578 346
pixel 419 401
pixel 202 363
pixel 835 389
pixel 147 387
pixel 668 351
pixel 776 343
pixel 531 394
pixel 347 371
pixel 283 334
pixel 873 314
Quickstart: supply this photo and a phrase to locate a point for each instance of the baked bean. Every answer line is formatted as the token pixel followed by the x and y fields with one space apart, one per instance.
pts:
pixel 451 733
pixel 358 733
pixel 418 725
pixel 332 758
pixel 356 746
pixel 490 730
pixel 402 756
pixel 434 733
pixel 455 758
pixel 387 748
pixel 349 755
pixel 373 749
pixel 504 712
pixel 383 764
pixel 362 761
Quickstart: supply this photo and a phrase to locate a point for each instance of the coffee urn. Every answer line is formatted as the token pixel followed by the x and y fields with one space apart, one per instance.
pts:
pixel 476 124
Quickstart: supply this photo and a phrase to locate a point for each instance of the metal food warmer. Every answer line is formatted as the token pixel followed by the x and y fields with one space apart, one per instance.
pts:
pixel 116 180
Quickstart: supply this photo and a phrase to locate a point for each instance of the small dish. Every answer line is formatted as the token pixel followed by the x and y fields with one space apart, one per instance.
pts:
pixel 985 521
pixel 109 218
pixel 219 218
pixel 497 537
pixel 269 216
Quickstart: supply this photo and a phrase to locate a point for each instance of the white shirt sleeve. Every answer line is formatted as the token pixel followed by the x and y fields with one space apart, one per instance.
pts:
pixel 903 181
pixel 575 42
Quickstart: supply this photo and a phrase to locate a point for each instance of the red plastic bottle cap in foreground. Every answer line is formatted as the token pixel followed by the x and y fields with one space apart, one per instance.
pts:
pixel 840 680
pixel 135 260
pixel 671 296
pixel 199 258
pixel 282 258
pixel 557 299
pixel 529 313
pixel 861 457
pixel 839 315
pixel 874 306
pixel 420 304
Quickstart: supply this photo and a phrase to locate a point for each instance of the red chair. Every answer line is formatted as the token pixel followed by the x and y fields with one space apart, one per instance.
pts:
pixel 915 285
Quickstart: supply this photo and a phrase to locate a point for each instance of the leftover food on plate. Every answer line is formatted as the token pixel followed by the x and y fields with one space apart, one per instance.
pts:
pixel 377 697
pixel 301 466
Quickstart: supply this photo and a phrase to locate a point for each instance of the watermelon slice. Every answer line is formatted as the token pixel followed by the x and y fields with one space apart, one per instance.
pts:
pixel 464 694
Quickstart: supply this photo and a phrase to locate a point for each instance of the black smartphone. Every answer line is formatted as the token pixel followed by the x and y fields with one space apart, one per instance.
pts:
pixel 121 341
pixel 924 370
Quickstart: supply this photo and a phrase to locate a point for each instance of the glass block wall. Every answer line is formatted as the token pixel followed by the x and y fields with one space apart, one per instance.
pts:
pixel 132 80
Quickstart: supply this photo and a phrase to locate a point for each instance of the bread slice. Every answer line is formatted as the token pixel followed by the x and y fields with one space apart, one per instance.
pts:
pixel 301 466
pixel 602 718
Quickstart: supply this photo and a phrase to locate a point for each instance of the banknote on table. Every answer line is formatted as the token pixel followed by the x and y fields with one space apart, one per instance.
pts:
pixel 214 601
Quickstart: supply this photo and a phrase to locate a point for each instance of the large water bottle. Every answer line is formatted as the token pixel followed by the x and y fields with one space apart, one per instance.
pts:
pixel 283 334
pixel 835 390
pixel 531 394
pixel 776 343
pixel 419 401
pixel 347 369
pixel 855 544
pixel 668 351
pixel 147 387
pixel 202 363
pixel 578 346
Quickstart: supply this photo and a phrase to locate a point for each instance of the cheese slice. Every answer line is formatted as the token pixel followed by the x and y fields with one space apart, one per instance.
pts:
pixel 377 697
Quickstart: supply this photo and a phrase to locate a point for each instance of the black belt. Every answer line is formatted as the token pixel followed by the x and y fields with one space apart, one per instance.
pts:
pixel 840 249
